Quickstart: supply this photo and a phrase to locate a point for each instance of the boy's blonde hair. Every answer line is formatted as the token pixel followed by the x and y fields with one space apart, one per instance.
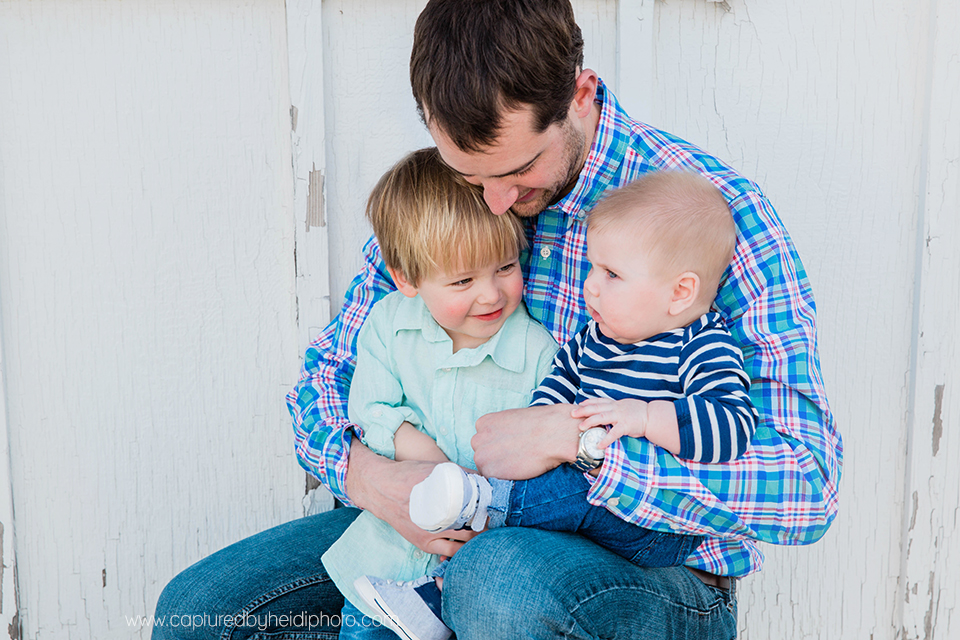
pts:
pixel 681 222
pixel 427 218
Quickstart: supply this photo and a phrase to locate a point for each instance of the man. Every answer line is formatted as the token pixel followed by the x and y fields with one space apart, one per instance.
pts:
pixel 501 88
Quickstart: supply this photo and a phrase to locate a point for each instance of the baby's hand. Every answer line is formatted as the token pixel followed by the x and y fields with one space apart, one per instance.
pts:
pixel 626 417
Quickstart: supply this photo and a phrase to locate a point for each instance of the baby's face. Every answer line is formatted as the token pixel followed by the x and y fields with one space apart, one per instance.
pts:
pixel 472 304
pixel 626 296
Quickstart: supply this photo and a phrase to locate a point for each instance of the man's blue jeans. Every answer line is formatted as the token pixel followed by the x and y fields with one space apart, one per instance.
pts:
pixel 557 501
pixel 505 583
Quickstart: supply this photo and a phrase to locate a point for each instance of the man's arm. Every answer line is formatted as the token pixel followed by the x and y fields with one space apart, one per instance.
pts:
pixel 318 403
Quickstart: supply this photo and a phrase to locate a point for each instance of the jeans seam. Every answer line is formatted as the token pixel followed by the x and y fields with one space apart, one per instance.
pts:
pixel 299 583
pixel 719 604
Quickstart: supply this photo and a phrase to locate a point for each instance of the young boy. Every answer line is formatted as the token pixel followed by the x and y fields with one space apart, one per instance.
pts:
pixel 454 343
pixel 654 362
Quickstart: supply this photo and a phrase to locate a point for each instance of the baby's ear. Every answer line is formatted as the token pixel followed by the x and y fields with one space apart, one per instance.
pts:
pixel 686 289
pixel 403 285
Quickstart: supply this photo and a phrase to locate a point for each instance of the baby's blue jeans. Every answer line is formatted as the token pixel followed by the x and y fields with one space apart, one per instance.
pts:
pixel 557 501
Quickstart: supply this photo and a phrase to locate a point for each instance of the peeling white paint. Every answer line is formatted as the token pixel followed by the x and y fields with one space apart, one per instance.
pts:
pixel 147 296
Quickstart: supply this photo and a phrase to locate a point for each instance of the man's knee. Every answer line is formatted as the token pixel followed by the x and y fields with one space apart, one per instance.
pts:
pixel 526 583
pixel 505 583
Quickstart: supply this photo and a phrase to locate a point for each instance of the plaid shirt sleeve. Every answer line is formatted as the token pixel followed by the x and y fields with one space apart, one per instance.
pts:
pixel 318 403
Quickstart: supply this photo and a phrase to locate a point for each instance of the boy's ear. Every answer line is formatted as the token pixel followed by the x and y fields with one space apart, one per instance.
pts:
pixel 403 285
pixel 686 289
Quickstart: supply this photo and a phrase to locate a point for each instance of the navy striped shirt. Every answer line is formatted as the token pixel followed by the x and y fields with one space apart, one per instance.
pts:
pixel 699 367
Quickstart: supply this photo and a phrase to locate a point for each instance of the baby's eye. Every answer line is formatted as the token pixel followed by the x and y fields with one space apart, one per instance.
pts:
pixel 611 275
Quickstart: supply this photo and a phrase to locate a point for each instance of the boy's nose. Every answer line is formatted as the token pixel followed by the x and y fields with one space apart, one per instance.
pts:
pixel 590 284
pixel 489 292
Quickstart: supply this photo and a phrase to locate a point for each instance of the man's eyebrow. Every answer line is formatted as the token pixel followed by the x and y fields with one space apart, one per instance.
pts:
pixel 508 173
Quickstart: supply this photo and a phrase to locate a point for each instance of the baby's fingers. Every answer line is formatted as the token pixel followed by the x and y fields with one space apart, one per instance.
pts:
pixel 596 420
pixel 612 436
pixel 589 407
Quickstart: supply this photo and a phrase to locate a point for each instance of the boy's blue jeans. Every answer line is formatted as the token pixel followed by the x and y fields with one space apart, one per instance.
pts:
pixel 557 501
pixel 505 583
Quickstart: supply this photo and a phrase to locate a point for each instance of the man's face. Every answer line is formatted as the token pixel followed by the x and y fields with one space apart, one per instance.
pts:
pixel 524 171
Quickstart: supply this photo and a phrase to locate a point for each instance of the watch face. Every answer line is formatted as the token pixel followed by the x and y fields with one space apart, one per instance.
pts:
pixel 590 439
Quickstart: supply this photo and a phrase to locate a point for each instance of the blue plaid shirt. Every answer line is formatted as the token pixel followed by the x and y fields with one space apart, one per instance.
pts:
pixel 784 490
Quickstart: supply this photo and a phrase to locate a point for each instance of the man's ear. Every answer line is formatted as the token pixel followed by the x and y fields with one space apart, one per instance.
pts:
pixel 686 289
pixel 403 285
pixel 585 92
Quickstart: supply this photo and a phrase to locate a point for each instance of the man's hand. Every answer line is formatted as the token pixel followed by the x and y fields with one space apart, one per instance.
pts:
pixel 382 487
pixel 518 444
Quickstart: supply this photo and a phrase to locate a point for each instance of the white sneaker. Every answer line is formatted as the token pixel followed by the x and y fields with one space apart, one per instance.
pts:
pixel 404 611
pixel 450 498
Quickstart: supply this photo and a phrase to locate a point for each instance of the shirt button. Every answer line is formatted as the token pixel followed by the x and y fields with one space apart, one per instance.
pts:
pixel 613 503
pixel 418 554
pixel 545 252
pixel 447 369
pixel 443 431
pixel 377 413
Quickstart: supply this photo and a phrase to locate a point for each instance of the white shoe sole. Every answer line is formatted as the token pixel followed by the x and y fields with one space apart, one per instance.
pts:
pixel 437 502
pixel 373 600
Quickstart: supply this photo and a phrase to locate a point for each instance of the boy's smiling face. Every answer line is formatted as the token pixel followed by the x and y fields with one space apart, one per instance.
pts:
pixel 470 304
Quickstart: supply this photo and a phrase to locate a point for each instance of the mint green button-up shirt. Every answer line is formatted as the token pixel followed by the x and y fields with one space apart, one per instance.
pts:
pixel 407 372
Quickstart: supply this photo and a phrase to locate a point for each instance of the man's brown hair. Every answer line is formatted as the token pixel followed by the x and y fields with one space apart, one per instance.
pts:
pixel 428 218
pixel 474 59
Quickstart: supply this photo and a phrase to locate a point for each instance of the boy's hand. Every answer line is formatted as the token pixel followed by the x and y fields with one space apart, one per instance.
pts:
pixel 626 417
pixel 382 487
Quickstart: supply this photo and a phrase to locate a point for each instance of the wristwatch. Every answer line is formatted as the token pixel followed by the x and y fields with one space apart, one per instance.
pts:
pixel 589 456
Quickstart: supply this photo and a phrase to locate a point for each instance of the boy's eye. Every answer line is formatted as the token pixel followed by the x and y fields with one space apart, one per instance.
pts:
pixel 507 268
pixel 461 283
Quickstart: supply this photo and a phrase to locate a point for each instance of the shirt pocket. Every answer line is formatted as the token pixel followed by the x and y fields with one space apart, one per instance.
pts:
pixel 479 400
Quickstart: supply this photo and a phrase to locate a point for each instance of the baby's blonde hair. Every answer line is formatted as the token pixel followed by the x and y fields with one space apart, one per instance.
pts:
pixel 427 218
pixel 681 221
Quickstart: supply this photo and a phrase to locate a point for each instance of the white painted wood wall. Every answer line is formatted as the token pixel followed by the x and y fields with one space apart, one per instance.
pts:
pixel 164 223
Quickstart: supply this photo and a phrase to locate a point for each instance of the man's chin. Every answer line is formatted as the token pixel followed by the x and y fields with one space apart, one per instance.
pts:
pixel 532 208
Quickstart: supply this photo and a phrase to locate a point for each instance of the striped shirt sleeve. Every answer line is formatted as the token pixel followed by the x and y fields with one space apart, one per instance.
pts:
pixel 563 382
pixel 716 417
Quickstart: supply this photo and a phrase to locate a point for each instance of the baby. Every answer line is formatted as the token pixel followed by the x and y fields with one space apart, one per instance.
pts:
pixel 653 362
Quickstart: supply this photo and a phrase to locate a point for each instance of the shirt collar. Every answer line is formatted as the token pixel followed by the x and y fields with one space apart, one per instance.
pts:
pixel 507 347
pixel 603 162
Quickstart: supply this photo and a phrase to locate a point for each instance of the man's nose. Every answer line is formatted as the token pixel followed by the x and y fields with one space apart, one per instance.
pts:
pixel 499 197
